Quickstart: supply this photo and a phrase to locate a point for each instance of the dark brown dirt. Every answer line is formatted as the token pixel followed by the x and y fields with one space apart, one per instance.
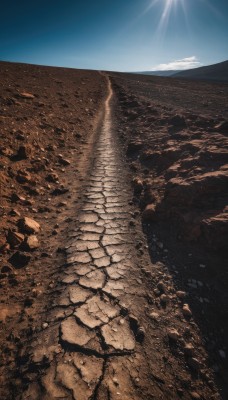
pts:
pixel 61 119
pixel 175 137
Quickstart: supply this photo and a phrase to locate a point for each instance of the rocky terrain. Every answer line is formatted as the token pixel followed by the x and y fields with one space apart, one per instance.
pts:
pixel 92 307
pixel 48 119
pixel 175 136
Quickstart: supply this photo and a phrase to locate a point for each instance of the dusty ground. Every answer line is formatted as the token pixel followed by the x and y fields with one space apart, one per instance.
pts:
pixel 85 313
pixel 39 126
pixel 175 137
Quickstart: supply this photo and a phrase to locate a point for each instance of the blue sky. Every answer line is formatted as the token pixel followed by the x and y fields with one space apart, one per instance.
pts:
pixel 124 35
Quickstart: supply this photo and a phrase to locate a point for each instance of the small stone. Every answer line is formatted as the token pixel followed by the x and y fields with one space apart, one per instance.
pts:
pixel 23 176
pixel 140 335
pixel 25 95
pixel 189 349
pixel 154 315
pixel 164 299
pixel 15 238
pixel 28 225
pixel 44 325
pixel 181 294
pixel 149 214
pixel 186 310
pixel 32 243
pixel 180 392
pixel 161 286
pixel 19 259
pixel 194 363
pixel 64 161
pixel 115 380
pixel 6 269
pixel 173 334
pixel 52 177
pixel 14 213
pixel 134 322
pixel 195 396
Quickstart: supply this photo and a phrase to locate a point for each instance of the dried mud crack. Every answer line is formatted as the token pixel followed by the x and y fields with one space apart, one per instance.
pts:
pixel 77 354
pixel 108 335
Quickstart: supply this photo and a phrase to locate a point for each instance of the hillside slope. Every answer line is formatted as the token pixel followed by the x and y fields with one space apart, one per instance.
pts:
pixel 216 72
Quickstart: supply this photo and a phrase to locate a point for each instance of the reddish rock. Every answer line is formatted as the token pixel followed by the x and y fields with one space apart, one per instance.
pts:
pixel 5 151
pixel 52 177
pixel 28 225
pixel 63 161
pixel 25 95
pixel 32 243
pixel 23 176
pixel 14 238
pixel 19 259
pixel 4 247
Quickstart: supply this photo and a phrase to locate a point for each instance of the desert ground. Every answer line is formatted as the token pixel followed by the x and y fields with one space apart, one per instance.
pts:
pixel 113 236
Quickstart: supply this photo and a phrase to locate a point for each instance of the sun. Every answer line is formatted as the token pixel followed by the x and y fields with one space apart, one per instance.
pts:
pixel 167 8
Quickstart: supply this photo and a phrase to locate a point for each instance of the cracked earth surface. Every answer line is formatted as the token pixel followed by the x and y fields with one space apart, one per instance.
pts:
pixel 91 321
pixel 91 347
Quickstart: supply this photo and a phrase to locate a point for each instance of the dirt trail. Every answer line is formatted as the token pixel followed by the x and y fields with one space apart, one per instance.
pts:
pixel 107 335
pixel 92 350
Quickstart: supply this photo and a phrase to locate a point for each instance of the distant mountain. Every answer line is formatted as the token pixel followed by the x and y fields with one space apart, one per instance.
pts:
pixel 159 73
pixel 215 72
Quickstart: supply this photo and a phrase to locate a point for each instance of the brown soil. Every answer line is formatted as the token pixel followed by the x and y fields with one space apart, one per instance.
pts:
pixel 60 119
pixel 88 314
pixel 175 137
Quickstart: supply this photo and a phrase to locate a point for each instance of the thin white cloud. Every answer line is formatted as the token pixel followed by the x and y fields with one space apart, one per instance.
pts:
pixel 184 63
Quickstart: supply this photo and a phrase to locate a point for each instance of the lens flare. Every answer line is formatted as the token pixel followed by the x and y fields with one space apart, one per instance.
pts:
pixel 169 7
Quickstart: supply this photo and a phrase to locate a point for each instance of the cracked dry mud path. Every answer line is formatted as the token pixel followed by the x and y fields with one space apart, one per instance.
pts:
pixel 88 350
